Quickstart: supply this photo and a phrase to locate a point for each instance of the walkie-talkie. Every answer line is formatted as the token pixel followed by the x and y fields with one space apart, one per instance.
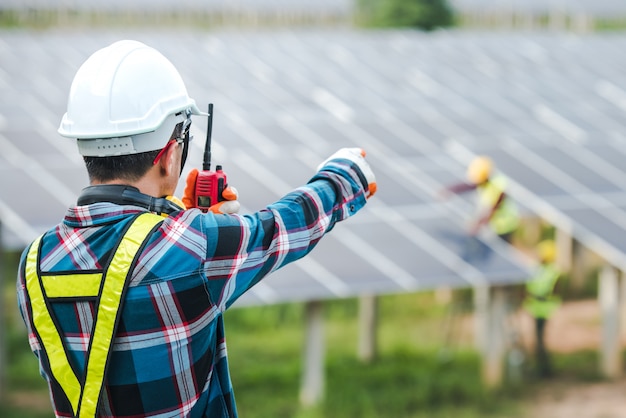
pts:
pixel 209 184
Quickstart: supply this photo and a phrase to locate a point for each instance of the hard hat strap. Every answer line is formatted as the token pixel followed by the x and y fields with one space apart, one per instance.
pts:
pixel 186 137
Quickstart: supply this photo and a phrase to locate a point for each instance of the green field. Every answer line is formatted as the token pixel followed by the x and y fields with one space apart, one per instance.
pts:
pixel 421 370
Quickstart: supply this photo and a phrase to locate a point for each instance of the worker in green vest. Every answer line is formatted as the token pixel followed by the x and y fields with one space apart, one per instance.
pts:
pixel 495 208
pixel 541 302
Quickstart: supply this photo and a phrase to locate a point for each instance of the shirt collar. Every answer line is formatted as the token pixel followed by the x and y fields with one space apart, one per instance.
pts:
pixel 99 214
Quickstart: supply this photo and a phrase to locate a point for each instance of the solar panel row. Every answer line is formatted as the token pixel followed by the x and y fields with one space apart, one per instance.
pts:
pixel 549 108
pixel 597 7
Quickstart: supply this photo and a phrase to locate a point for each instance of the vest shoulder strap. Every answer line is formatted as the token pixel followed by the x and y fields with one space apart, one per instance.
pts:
pixel 109 288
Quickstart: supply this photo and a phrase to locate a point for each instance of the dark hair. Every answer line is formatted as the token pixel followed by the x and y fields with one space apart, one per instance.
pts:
pixel 130 167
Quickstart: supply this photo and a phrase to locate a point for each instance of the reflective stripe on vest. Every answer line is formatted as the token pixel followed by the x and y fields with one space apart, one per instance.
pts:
pixel 505 219
pixel 108 287
pixel 540 302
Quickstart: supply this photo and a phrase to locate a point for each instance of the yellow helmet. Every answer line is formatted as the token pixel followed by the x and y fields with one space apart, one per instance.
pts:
pixel 479 169
pixel 546 250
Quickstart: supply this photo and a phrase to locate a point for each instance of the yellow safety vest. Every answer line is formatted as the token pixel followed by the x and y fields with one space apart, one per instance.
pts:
pixel 109 288
pixel 506 218
pixel 540 302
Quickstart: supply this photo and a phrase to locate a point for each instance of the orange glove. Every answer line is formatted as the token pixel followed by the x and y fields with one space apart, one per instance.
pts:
pixel 230 205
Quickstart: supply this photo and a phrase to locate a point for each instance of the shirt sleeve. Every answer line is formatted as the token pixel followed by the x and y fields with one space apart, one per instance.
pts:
pixel 242 249
pixel 460 188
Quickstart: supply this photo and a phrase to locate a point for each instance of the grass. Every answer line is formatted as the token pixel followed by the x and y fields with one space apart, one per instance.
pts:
pixel 407 379
pixel 410 378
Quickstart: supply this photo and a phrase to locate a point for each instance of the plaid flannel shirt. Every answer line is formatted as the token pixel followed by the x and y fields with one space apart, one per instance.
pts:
pixel 169 355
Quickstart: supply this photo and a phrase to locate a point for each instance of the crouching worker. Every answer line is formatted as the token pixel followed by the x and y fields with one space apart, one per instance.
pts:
pixel 123 300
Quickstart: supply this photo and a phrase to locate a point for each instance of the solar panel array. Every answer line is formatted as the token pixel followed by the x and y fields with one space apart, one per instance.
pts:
pixel 598 8
pixel 340 7
pixel 549 108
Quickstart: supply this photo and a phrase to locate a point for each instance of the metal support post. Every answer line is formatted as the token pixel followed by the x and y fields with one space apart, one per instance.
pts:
pixel 3 362
pixel 491 310
pixel 312 388
pixel 368 324
pixel 564 250
pixel 608 294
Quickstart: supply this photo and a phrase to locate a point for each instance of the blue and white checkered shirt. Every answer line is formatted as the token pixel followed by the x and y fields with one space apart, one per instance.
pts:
pixel 169 354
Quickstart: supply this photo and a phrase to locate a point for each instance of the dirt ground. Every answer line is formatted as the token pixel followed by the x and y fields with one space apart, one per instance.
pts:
pixel 576 326
pixel 581 400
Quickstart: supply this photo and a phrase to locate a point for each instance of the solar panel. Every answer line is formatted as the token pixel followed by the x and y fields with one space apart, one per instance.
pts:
pixel 421 104
pixel 186 6
pixel 575 7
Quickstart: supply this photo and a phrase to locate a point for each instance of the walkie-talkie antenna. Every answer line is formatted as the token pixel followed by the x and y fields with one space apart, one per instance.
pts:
pixel 206 163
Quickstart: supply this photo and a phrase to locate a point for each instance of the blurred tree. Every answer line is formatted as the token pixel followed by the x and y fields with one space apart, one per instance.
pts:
pixel 421 14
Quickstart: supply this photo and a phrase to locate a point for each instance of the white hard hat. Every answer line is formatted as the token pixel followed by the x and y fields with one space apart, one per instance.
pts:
pixel 120 98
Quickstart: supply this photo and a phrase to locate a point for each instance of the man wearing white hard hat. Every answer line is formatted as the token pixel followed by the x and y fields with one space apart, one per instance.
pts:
pixel 123 300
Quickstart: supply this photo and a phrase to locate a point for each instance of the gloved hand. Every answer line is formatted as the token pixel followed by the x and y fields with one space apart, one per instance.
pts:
pixel 357 156
pixel 229 206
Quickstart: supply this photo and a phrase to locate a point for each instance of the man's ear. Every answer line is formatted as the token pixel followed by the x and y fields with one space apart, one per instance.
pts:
pixel 167 163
